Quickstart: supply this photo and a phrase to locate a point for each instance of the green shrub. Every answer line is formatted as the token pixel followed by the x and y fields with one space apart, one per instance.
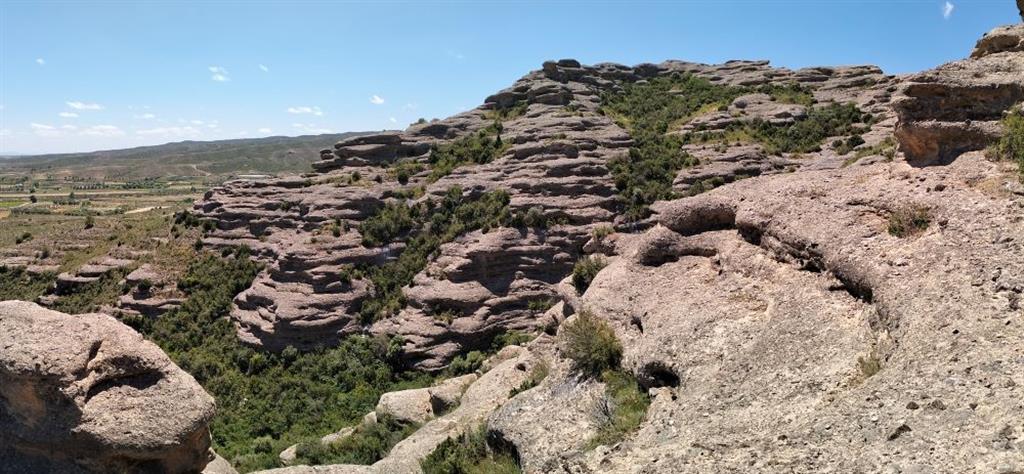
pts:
pixel 424 227
pixel 89 297
pixel 792 93
pixel 909 220
pixel 18 284
pixel 541 305
pixel 538 373
pixel 367 445
pixel 468 454
pixel 477 148
pixel 585 270
pixel 24 237
pixel 1011 145
pixel 90 221
pixel 602 231
pixel 467 363
pixel 591 344
pixel 624 408
pixel 649 111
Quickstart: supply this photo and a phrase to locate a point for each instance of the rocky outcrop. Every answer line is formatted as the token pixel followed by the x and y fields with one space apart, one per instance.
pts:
pixel 85 393
pixel 783 324
pixel 556 164
pixel 956 107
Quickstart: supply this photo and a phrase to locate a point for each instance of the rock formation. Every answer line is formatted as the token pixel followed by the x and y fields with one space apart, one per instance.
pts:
pixel 957 107
pixel 85 393
pixel 556 164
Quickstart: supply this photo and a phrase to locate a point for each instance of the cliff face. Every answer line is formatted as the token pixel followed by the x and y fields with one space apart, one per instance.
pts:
pixel 554 163
pixel 852 307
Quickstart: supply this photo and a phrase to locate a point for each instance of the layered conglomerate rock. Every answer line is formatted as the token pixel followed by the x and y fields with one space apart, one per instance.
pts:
pixel 957 107
pixel 85 393
pixel 483 283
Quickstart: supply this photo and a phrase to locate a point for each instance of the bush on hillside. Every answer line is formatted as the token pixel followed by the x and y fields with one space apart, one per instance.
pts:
pixel 591 344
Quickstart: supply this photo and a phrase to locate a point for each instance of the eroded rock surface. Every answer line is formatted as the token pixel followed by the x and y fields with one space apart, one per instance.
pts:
pixel 85 393
pixel 485 283
pixel 957 107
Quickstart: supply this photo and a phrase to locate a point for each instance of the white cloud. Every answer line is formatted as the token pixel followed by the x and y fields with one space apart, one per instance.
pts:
pixel 410 106
pixel 78 105
pixel 69 127
pixel 392 120
pixel 243 133
pixel 102 131
pixel 309 128
pixel 265 130
pixel 196 122
pixel 44 130
pixel 170 132
pixel 219 74
pixel 4 132
pixel 41 61
pixel 456 55
pixel 68 114
pixel 947 10
pixel 264 68
pixel 305 110
pixel 146 116
pixel 376 100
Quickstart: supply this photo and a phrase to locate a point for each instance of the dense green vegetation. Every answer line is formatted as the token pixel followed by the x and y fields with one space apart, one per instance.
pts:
pixel 585 270
pixel 424 226
pixel 648 111
pixel 18 284
pixel 267 401
pixel 468 454
pixel 88 298
pixel 1011 145
pixel 477 148
pixel 369 443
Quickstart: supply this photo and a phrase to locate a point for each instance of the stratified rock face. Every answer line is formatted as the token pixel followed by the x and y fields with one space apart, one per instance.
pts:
pixel 957 107
pixel 780 326
pixel 306 228
pixel 85 393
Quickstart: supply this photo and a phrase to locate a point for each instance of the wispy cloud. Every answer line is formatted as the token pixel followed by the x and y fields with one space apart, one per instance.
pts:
pixel 43 130
pixel 180 132
pixel 41 61
pixel 305 110
pixel 219 74
pixel 456 55
pixel 265 130
pixel 376 99
pixel 264 68
pixel 146 116
pixel 410 106
pixel 392 120
pixel 102 131
pixel 196 122
pixel 68 114
pixel 78 105
pixel 5 132
pixel 947 10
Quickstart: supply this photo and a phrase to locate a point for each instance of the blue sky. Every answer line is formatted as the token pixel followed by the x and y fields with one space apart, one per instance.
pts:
pixel 79 76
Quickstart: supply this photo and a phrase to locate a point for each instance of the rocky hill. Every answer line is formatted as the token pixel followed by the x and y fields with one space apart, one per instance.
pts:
pixel 719 268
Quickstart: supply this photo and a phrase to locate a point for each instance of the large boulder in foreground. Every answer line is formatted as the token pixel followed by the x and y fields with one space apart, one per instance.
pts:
pixel 85 393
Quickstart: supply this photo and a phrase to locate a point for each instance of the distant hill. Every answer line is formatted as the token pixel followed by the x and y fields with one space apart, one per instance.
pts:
pixel 187 158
